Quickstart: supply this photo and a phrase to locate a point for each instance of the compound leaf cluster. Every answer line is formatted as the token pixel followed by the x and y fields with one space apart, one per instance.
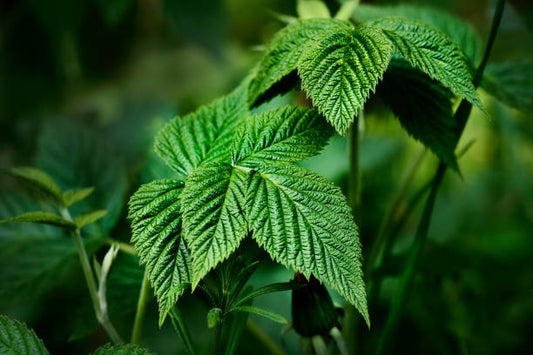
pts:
pixel 184 229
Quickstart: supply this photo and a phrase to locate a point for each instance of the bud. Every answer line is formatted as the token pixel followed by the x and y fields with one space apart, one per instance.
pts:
pixel 313 312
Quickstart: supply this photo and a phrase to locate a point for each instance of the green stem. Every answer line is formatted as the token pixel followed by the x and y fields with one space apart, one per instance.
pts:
pixel 374 256
pixel 217 346
pixel 102 317
pixel 354 199
pixel 141 310
pixel 263 338
pixel 406 279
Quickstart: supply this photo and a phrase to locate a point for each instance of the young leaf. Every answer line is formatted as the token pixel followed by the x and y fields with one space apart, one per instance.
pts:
pixel 511 83
pixel 456 29
pixel 213 317
pixel 157 227
pixel 341 67
pixel 288 134
pixel 70 197
pixel 308 9
pixel 204 135
pixel 17 338
pixel 41 217
pixel 39 179
pixel 425 111
pixel 283 53
pixel 273 316
pixel 84 219
pixel 304 222
pixel 35 258
pixel 121 349
pixel 432 52
pixel 214 216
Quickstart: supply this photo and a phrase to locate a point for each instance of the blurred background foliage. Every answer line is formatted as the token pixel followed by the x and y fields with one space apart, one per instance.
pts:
pixel 84 86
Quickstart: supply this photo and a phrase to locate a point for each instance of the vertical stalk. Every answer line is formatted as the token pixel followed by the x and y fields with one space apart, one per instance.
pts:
pixel 102 317
pixel 354 199
pixel 141 310
pixel 461 115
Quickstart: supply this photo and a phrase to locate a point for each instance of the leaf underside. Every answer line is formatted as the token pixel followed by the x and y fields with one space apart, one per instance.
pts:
pixel 340 68
pixel 426 113
pixel 155 211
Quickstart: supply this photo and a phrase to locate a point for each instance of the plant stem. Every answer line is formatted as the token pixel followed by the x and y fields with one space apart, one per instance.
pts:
pixel 354 199
pixel 102 317
pixel 263 338
pixel 374 256
pixel 406 280
pixel 141 308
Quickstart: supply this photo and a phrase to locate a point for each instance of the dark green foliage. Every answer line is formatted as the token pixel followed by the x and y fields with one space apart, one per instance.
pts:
pixel 17 338
pixel 425 113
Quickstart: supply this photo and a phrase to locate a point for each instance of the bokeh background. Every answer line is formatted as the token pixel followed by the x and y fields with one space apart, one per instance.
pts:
pixel 86 84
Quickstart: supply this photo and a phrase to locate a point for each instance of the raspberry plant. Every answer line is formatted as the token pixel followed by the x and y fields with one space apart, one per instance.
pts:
pixel 237 180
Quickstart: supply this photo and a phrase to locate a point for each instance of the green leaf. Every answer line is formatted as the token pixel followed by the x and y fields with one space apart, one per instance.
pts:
pixel 76 156
pixel 308 9
pixel 425 111
pixel 287 134
pixel 276 317
pixel 41 217
pixel 456 29
pixel 35 258
pixel 204 135
pixel 304 222
pixel 277 287
pixel 341 67
pixel 157 235
pixel 38 179
pixel 70 197
pixel 17 338
pixel 214 216
pixel 431 51
pixel 121 349
pixel 213 317
pixel 84 219
pixel 282 55
pixel 511 83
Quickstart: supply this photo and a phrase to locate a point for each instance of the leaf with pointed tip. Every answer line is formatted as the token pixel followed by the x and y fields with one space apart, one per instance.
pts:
pixel 283 53
pixel 431 51
pixel 304 222
pixel 425 111
pixel 511 83
pixel 17 338
pixel 288 134
pixel 42 218
pixel 84 219
pixel 341 67
pixel 39 179
pixel 458 30
pixel 157 227
pixel 70 197
pixel 213 216
pixel 204 135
